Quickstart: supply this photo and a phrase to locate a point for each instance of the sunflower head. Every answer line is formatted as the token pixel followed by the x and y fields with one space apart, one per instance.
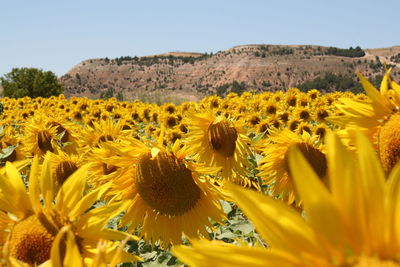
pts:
pixel 389 142
pixel 291 99
pixel 164 190
pixel 284 116
pixel 41 215
pixel 40 137
pixel 313 94
pixel 30 241
pixel 303 114
pixel 303 102
pixel 321 114
pixel 303 127
pixel 218 141
pixel 254 120
pixel 313 155
pixel 170 121
pixel 222 136
pixel 63 166
pixel 274 167
pixel 321 130
pixel 166 184
pixel 293 124
pixel 271 108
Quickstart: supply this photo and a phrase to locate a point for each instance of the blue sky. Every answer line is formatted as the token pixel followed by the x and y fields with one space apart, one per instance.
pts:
pixel 55 35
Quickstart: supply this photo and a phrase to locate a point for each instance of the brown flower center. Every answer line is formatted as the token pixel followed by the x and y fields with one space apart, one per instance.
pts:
pixel 65 169
pixel 222 138
pixel 166 185
pixel 104 138
pixel 30 241
pixel 314 157
pixel 44 141
pixel 60 129
pixel 389 142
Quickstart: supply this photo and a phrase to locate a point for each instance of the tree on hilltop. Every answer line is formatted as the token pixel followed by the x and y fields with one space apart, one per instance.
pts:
pixel 30 82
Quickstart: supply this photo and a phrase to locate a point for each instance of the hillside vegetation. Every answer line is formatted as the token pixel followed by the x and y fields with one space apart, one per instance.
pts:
pixel 190 76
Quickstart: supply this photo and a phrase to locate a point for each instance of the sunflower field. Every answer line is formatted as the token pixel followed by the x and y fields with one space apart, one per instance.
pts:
pixel 270 179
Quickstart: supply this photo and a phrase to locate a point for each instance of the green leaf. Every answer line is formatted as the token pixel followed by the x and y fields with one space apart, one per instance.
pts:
pixel 6 152
pixel 259 136
pixel 244 227
pixel 226 206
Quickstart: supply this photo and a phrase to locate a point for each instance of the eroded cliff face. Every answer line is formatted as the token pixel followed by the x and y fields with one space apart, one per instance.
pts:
pixel 191 76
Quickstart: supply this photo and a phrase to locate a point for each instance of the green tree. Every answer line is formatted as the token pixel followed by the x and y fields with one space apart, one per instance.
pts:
pixel 107 94
pixel 31 82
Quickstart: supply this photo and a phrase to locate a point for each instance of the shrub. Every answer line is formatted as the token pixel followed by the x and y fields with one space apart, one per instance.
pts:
pixel 31 82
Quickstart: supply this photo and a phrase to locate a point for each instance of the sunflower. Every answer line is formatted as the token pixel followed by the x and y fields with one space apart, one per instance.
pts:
pixel 378 118
pixel 321 130
pixel 291 99
pixel 65 131
pixel 284 116
pixel 212 101
pixel 101 170
pixel 313 94
pixel 271 108
pixel 262 126
pixel 39 216
pixel 167 196
pixel 10 146
pixel 170 121
pixel 321 114
pixel 293 124
pixel 102 131
pixel 254 119
pixel 71 255
pixel 63 165
pixel 39 137
pixel 275 122
pixel 274 168
pixel 303 127
pixel 303 114
pixel 354 224
pixel 218 142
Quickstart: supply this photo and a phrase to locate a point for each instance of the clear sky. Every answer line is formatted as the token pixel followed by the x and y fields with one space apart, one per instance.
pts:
pixel 56 35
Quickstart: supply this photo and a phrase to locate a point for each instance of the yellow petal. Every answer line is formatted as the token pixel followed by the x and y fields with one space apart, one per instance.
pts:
pixel 71 191
pixel 34 186
pixel 111 234
pixel 319 205
pixel 214 253
pixel 15 199
pixel 395 86
pixel 17 263
pixel 72 255
pixel 100 258
pixel 384 87
pixel 393 211
pixel 346 191
pixel 279 225
pixel 92 222
pixel 380 103
pixel 122 256
pixel 372 184
pixel 87 201
pixel 46 182
pixel 55 255
pixel 154 152
pixel 348 105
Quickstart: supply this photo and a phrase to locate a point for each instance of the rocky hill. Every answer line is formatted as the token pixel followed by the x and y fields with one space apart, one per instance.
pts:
pixel 190 76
